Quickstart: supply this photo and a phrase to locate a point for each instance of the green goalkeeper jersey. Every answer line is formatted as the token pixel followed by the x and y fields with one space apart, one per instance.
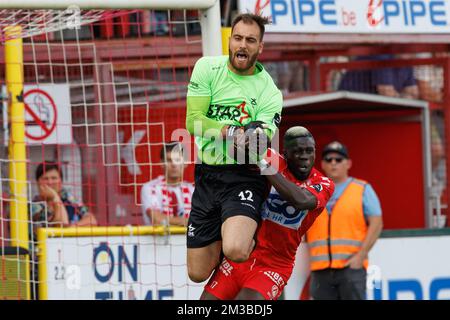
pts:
pixel 217 97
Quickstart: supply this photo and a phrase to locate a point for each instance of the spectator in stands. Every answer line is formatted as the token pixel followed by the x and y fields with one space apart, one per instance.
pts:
pixel 55 205
pixel 430 79
pixel 289 76
pixel 392 81
pixel 334 76
pixel 342 236
pixel 167 199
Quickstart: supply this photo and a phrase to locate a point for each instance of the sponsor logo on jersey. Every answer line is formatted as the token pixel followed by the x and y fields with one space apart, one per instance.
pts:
pixel 275 277
pixel 226 268
pixel 318 187
pixel 235 113
pixel 281 212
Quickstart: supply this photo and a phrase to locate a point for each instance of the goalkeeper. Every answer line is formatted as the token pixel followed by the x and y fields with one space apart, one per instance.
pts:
pixel 233 108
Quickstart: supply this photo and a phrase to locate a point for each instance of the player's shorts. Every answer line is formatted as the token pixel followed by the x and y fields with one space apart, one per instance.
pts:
pixel 221 192
pixel 229 278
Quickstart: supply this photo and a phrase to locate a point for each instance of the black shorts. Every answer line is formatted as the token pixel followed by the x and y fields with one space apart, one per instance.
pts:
pixel 221 192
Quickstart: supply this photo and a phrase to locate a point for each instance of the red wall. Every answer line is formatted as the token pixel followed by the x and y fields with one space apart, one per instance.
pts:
pixel 387 153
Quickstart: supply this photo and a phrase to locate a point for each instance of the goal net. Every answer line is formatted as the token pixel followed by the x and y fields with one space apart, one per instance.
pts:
pixel 101 90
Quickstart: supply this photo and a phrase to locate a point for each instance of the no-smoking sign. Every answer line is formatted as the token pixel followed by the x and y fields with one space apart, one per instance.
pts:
pixel 40 114
pixel 48 118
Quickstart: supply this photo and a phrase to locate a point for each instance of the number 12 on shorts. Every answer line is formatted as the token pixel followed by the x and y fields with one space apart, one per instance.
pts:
pixel 246 195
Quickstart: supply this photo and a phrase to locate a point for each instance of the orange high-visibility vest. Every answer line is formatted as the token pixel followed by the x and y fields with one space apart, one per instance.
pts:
pixel 333 239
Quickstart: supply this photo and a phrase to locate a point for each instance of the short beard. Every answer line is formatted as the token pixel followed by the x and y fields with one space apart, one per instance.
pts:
pixel 251 61
pixel 299 175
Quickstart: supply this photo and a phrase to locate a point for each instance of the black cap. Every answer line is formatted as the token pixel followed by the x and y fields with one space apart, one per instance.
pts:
pixel 337 147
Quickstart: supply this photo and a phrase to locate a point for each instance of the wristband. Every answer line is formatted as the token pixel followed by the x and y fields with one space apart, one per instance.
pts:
pixel 263 164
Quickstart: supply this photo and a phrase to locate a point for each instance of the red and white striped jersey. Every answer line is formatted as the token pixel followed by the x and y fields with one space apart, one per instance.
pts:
pixel 172 200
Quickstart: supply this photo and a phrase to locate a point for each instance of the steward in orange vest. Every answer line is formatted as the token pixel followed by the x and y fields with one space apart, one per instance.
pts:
pixel 339 241
pixel 334 239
